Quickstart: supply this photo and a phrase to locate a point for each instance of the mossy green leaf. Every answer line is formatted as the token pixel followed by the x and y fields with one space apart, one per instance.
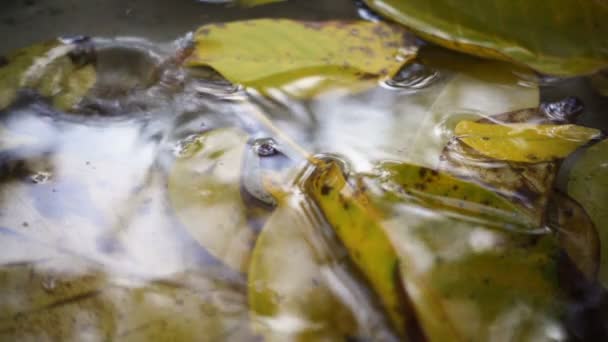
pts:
pixel 561 37
pixel 267 53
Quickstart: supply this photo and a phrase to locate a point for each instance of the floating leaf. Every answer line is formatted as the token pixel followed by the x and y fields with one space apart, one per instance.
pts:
pixel 520 142
pixel 267 53
pixel 356 223
pixel 561 37
pixel 49 69
pixel 204 188
pixel 588 185
pixel 440 190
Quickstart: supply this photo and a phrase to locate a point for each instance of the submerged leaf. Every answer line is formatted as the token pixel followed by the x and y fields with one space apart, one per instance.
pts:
pixel 440 190
pixel 204 188
pixel 267 53
pixel 357 225
pixel 290 297
pixel 577 233
pixel 522 142
pixel 561 37
pixel 51 70
pixel 588 184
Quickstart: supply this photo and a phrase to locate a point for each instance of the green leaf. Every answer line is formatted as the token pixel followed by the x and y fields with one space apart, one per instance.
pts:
pixel 440 190
pixel 523 142
pixel 561 37
pixel 204 189
pixel 267 53
pixel 588 184
pixel 48 69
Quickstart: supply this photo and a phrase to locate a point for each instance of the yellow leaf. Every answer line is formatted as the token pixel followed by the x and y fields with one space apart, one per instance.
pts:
pixel 522 142
pixel 266 53
pixel 356 223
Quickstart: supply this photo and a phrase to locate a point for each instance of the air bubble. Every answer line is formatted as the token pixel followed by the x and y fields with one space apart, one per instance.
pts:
pixel 41 177
pixel 265 147
pixel 564 110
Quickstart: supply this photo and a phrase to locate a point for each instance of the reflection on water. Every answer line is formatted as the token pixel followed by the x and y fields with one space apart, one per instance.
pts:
pixel 135 215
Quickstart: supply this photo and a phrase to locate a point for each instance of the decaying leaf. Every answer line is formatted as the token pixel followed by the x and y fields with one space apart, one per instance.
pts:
pixel 441 191
pixel 577 233
pixel 56 70
pixel 356 223
pixel 267 53
pixel 204 188
pixel 588 185
pixel 562 37
pixel 522 142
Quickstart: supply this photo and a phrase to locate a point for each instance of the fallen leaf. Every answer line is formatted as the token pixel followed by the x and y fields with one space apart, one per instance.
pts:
pixel 588 185
pixel 562 37
pixel 267 53
pixel 522 142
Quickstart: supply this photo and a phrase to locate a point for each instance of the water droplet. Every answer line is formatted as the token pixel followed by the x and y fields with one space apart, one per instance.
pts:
pixel 365 12
pixel 413 76
pixel 49 284
pixel 563 110
pixel 265 147
pixel 41 177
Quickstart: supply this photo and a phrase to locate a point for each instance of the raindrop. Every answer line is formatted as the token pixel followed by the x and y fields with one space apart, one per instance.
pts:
pixel 265 147
pixel 40 177
pixel 563 110
pixel 49 284
pixel 413 76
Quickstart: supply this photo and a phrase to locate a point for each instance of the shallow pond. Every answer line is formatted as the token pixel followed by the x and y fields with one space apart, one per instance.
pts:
pixel 166 203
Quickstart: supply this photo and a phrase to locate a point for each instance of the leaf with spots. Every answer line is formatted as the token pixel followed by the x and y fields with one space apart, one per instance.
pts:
pixel 522 142
pixel 357 225
pixel 588 185
pixel 302 58
pixel 561 37
pixel 453 196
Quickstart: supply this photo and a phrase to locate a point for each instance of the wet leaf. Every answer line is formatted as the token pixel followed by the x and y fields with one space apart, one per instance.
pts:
pixel 251 3
pixel 290 295
pixel 49 69
pixel 204 188
pixel 562 37
pixel 356 224
pixel 577 233
pixel 268 53
pixel 528 143
pixel 440 190
pixel 588 185
pixel 468 282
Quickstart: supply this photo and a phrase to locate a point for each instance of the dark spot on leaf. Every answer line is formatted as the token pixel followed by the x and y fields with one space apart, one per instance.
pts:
pixel 532 157
pixel 3 61
pixel 326 189
pixel 455 187
pixel 422 172
pixel 485 138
